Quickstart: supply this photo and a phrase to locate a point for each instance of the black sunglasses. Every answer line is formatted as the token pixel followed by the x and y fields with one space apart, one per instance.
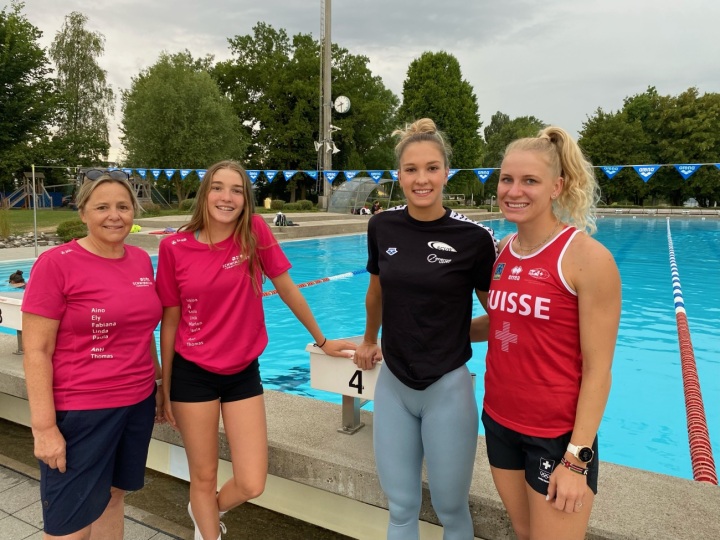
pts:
pixel 116 174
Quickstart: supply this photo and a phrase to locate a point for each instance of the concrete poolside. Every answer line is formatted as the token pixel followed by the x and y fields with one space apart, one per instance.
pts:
pixel 320 475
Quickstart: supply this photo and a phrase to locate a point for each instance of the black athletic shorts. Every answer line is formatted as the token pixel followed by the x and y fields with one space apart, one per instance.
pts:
pixel 537 456
pixel 190 383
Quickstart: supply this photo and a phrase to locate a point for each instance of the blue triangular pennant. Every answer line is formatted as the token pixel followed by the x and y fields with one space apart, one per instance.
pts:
pixel 127 171
pixel 611 170
pixel 331 175
pixel 142 173
pixel 312 174
pixel 483 174
pixel 156 173
pixel 169 173
pixel 270 175
pixel 184 173
pixel 646 171
pixel 376 175
pixel 686 171
pixel 288 175
pixel 349 175
pixel 452 172
pixel 201 173
pixel 394 174
pixel 253 174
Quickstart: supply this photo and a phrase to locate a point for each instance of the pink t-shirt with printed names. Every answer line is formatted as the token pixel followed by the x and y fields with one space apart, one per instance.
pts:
pixel 222 322
pixel 108 310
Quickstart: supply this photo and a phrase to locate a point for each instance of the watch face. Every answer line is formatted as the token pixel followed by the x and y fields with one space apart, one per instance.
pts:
pixel 585 454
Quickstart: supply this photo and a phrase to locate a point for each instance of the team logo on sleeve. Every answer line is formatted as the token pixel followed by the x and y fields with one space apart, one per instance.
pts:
pixel 498 271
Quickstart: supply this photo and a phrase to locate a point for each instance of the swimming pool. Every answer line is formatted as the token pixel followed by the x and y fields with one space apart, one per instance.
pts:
pixel 644 424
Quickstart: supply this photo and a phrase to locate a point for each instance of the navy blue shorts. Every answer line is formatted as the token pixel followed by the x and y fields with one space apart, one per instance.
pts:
pixel 537 456
pixel 104 448
pixel 189 383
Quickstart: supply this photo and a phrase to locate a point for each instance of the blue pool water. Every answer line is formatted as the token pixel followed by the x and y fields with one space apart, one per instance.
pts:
pixel 644 424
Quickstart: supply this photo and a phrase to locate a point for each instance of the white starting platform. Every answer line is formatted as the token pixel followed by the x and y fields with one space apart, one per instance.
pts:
pixel 342 376
pixel 10 314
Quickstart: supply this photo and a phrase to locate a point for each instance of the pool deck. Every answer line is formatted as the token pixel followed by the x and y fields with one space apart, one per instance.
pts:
pixel 328 478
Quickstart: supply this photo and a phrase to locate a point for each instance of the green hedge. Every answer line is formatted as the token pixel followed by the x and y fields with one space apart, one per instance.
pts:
pixel 305 204
pixel 277 204
pixel 186 205
pixel 73 228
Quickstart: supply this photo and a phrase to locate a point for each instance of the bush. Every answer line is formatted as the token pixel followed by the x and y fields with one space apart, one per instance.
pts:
pixel 149 208
pixel 291 206
pixel 186 205
pixel 305 204
pixel 72 228
pixel 277 204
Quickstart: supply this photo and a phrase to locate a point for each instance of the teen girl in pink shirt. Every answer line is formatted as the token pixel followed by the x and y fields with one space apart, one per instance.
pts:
pixel 213 331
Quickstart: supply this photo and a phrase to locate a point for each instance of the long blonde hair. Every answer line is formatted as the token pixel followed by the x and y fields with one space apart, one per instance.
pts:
pixel 581 192
pixel 243 233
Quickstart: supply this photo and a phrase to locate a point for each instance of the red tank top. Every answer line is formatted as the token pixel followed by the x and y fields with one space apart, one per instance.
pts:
pixel 534 365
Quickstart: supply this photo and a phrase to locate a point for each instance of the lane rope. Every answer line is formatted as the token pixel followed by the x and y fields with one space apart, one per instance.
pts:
pixel 701 456
pixel 321 280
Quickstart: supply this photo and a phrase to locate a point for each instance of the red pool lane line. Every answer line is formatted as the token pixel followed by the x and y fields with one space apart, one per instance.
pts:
pixel 321 280
pixel 701 457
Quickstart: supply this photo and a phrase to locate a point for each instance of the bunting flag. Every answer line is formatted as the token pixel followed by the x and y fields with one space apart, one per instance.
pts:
pixel 330 175
pixel 686 171
pixel 452 173
pixel 288 175
pixel 483 174
pixel 127 171
pixel 376 175
pixel 349 175
pixel 394 174
pixel 201 173
pixel 169 173
pixel 253 175
pixel 611 170
pixel 717 165
pixel 270 175
pixel 184 173
pixel 156 173
pixel 646 171
pixel 112 168
pixel 312 174
pixel 142 173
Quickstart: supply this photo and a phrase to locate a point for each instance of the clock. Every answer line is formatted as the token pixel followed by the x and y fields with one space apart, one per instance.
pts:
pixel 342 104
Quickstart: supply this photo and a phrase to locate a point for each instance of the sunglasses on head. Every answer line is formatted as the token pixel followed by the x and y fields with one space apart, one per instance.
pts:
pixel 94 174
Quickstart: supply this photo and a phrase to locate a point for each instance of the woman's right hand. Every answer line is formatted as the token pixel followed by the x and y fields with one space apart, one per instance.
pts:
pixel 50 447
pixel 167 406
pixel 367 355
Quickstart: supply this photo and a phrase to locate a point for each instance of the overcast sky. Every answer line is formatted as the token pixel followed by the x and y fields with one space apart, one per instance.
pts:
pixel 558 60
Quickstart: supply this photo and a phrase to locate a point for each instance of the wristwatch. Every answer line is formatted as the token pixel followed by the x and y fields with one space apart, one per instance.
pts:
pixel 583 453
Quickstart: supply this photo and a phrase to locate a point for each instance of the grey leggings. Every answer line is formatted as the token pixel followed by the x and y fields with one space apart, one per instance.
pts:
pixel 441 423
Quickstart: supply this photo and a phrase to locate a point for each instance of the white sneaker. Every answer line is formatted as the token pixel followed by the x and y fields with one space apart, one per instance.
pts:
pixel 198 536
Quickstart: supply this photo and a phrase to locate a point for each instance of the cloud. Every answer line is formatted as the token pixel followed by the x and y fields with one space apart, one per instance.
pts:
pixel 558 60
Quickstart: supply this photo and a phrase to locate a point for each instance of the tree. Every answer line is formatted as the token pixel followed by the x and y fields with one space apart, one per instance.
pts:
pixel 26 102
pixel 273 82
pixel 87 101
pixel 174 116
pixel 434 88
pixel 498 134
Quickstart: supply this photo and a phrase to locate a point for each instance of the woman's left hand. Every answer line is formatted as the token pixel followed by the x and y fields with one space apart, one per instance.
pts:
pixel 339 347
pixel 159 406
pixel 567 490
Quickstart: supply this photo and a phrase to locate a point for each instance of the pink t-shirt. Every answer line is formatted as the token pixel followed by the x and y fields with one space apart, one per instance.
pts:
pixel 222 323
pixel 108 309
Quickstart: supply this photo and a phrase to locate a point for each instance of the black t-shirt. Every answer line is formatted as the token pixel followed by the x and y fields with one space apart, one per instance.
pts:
pixel 428 272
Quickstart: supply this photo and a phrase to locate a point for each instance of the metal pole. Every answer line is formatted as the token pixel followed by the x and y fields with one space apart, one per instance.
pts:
pixel 34 210
pixel 326 140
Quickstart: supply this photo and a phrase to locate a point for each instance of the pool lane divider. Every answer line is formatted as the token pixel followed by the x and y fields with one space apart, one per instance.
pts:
pixel 321 280
pixel 701 456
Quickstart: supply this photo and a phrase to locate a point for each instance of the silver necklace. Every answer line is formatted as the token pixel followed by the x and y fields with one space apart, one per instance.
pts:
pixel 529 250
